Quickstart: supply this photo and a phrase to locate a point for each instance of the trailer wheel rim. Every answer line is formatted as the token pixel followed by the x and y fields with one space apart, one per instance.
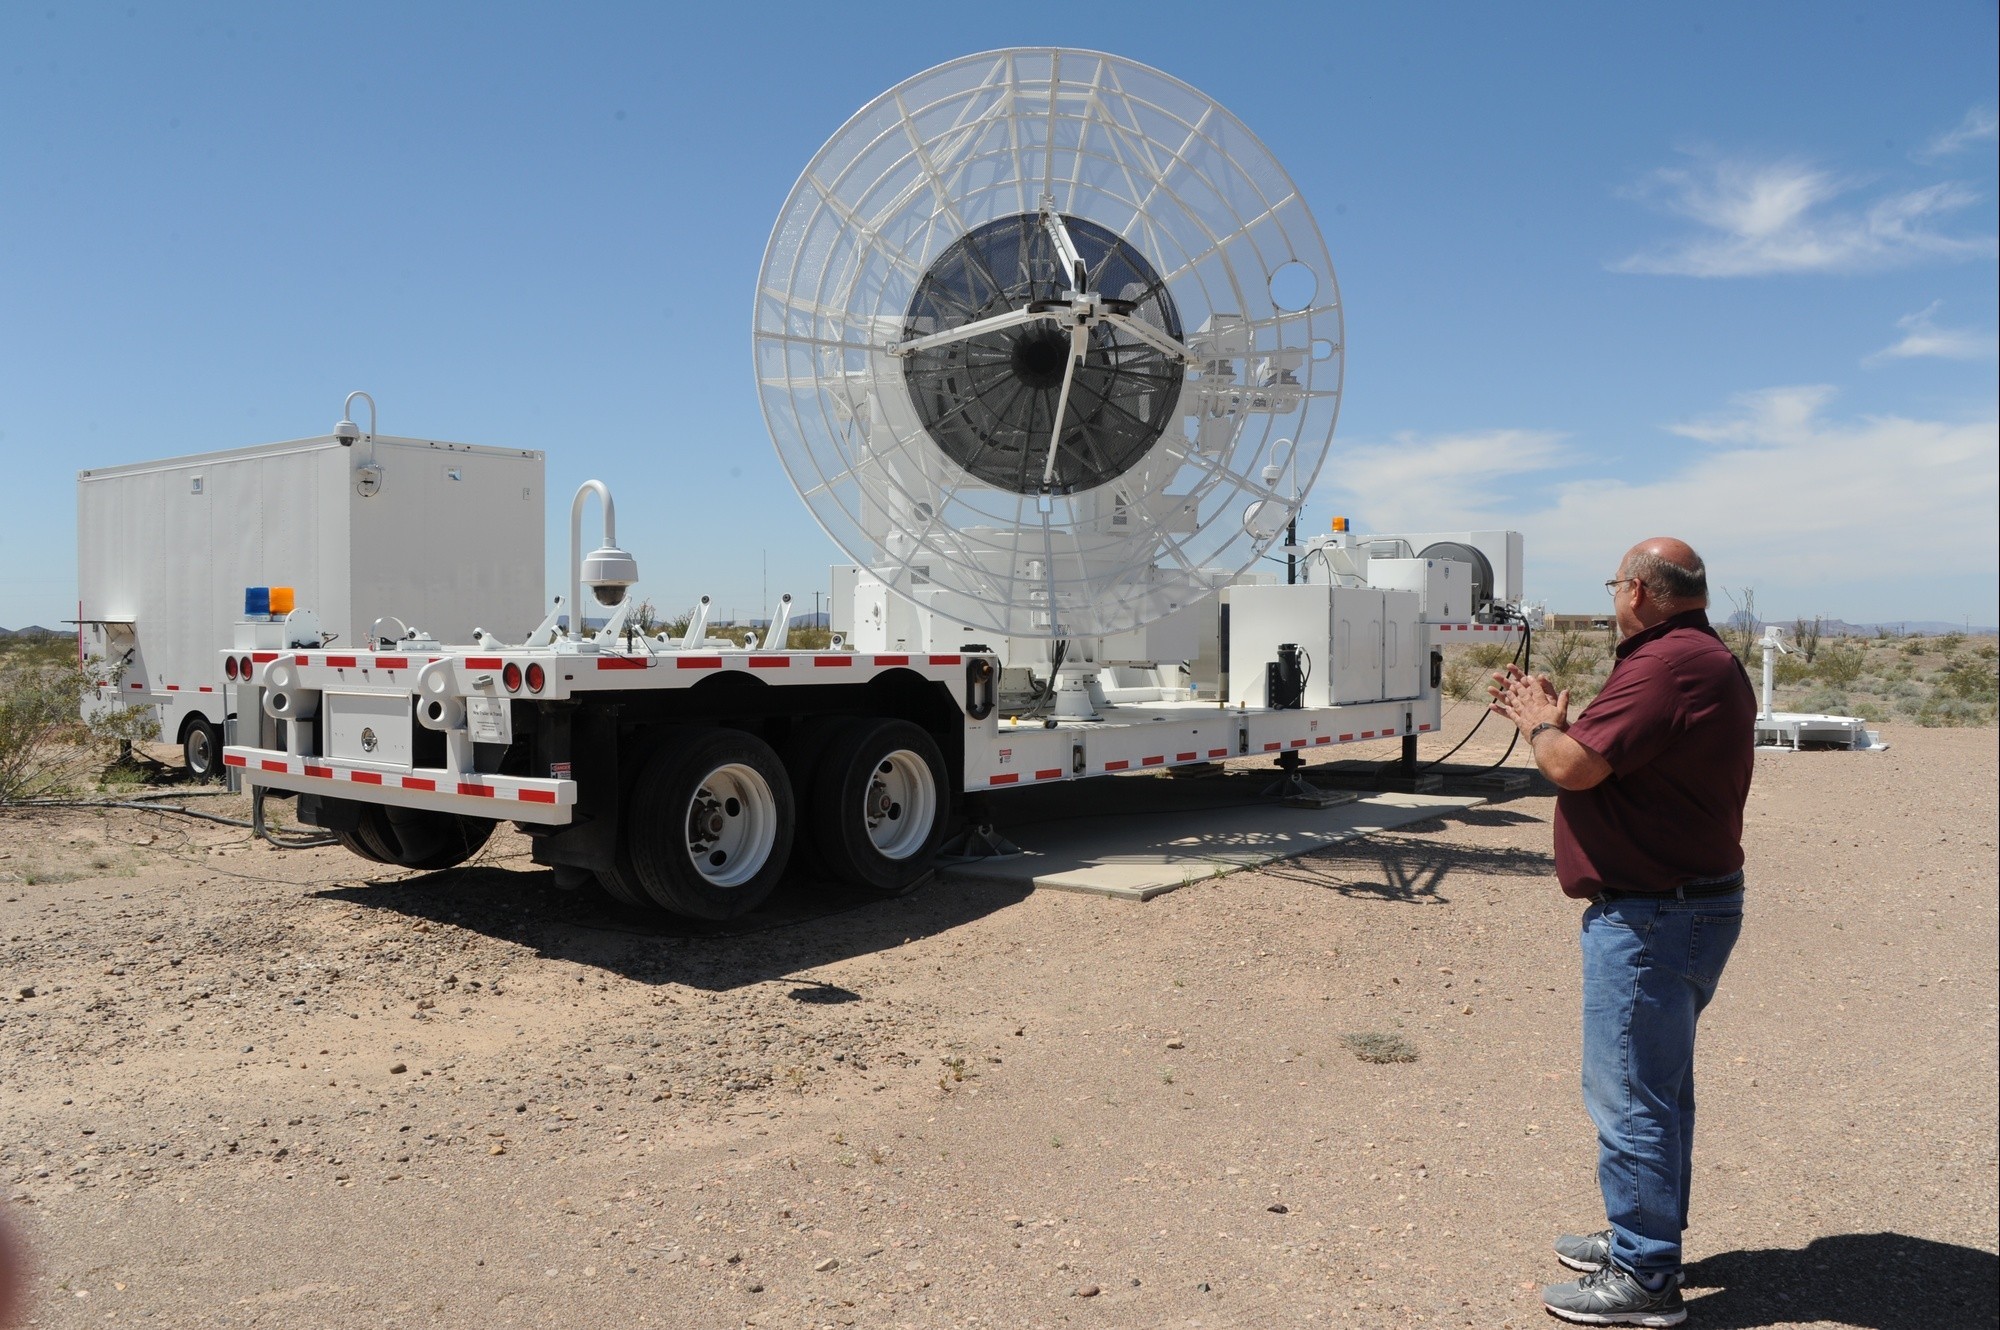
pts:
pixel 900 804
pixel 200 751
pixel 731 825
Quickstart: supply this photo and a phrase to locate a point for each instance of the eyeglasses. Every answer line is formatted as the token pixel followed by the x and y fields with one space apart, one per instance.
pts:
pixel 1611 586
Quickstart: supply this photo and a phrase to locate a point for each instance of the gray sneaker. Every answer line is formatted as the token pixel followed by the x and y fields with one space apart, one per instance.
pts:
pixel 1592 1251
pixel 1613 1297
pixel 1584 1251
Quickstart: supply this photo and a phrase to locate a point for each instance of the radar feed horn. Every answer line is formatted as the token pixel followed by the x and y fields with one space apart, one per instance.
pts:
pixel 1032 330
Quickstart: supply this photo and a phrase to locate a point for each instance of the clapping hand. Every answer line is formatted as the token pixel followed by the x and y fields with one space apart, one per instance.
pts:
pixel 1528 699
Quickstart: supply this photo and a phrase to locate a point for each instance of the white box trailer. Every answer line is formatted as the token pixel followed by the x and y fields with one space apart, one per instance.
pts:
pixel 448 536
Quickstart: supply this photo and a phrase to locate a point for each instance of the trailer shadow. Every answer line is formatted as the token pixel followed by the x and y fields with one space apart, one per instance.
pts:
pixel 805 924
pixel 1410 872
pixel 809 922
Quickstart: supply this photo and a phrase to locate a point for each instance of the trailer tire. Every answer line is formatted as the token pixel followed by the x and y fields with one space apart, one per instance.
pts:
pixel 879 805
pixel 201 749
pixel 621 884
pixel 712 822
pixel 416 838
pixel 356 843
pixel 430 841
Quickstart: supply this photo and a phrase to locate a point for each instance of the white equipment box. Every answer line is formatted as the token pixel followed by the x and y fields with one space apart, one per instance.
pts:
pixel 449 536
pixel 1443 586
pixel 1492 556
pixel 1359 644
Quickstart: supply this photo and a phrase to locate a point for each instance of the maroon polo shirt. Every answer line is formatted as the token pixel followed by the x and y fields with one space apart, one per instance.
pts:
pixel 1675 721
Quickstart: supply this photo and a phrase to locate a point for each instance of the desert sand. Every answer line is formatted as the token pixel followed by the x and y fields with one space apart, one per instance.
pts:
pixel 251 1087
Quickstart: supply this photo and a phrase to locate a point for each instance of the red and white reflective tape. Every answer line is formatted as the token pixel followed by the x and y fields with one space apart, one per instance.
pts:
pixel 503 788
pixel 1018 777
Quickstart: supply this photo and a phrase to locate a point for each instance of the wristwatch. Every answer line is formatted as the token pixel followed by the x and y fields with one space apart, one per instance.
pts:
pixel 1536 733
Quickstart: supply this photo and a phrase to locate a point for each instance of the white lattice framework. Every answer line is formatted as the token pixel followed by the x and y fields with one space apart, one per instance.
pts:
pixel 1132 150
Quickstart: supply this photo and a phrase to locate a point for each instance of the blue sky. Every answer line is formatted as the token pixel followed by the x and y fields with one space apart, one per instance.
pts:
pixel 1719 271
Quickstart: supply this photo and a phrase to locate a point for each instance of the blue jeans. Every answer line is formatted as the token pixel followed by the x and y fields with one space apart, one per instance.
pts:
pixel 1650 964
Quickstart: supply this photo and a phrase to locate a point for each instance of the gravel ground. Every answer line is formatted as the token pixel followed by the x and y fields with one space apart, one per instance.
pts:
pixel 247 1087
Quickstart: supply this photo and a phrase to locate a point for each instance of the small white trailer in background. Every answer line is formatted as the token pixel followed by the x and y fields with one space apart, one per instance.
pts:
pixel 446 535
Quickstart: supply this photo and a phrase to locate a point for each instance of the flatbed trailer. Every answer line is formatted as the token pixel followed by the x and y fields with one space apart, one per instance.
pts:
pixel 690 778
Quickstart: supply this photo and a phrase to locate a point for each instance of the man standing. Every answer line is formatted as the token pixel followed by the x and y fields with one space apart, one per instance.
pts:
pixel 1652 779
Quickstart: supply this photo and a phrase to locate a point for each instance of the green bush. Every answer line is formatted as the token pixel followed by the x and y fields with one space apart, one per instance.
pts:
pixel 1790 670
pixel 1940 711
pixel 1825 702
pixel 38 723
pixel 1970 681
pixel 1565 655
pixel 45 747
pixel 1461 681
pixel 808 639
pixel 1488 655
pixel 1838 665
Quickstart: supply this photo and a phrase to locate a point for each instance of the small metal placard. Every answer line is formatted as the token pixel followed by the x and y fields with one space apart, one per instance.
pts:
pixel 491 719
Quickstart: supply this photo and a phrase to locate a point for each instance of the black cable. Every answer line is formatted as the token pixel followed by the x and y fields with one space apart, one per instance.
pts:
pixel 255 824
pixel 147 806
pixel 258 828
pixel 1524 650
pixel 1048 692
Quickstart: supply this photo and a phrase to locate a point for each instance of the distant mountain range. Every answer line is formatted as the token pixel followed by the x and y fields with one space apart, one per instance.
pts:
pixel 1896 627
pixel 33 630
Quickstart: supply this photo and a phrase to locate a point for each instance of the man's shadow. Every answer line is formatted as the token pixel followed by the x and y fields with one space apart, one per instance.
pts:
pixel 1873 1281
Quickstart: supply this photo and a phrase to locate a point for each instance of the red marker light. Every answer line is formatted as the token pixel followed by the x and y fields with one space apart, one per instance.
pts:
pixel 229 668
pixel 243 667
pixel 536 678
pixel 511 676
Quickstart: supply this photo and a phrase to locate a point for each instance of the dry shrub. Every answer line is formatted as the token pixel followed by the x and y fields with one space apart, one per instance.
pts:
pixel 1791 670
pixel 46 748
pixel 1570 659
pixel 1379 1046
pixel 1838 665
pixel 1460 681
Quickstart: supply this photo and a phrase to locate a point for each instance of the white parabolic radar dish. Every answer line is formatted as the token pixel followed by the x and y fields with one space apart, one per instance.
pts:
pixel 1049 342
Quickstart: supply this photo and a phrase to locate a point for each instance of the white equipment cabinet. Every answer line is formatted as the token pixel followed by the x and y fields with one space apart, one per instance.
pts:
pixel 445 536
pixel 1055 374
pixel 1356 644
pixel 1444 586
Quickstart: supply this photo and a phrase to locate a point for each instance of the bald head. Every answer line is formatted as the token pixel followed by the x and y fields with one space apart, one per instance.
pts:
pixel 1671 571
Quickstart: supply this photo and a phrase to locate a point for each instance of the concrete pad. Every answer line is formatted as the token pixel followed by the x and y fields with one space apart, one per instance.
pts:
pixel 1151 836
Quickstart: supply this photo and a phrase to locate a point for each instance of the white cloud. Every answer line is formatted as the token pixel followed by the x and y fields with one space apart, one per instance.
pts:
pixel 1869 517
pixel 1978 125
pixel 1922 337
pixel 1783 217
pixel 1405 484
